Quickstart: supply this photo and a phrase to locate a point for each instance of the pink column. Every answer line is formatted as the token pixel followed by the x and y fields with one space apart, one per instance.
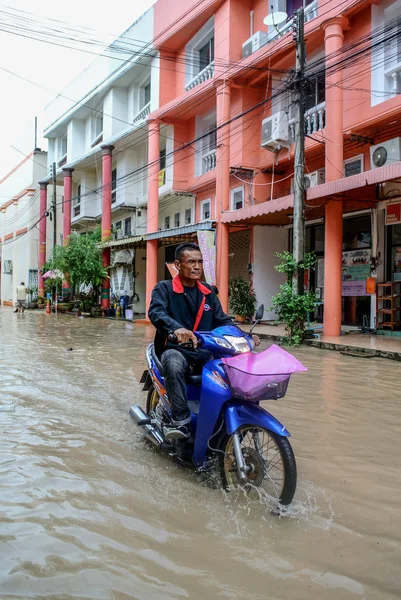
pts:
pixel 107 170
pixel 223 96
pixel 42 236
pixel 153 207
pixel 67 219
pixel 334 38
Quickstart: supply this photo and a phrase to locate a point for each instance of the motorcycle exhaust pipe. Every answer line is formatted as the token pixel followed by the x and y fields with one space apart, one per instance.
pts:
pixel 143 422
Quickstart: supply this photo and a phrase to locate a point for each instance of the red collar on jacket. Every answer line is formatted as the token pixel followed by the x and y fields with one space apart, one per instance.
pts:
pixel 178 288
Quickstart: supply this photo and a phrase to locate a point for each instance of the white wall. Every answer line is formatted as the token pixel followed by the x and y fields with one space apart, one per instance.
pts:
pixel 140 280
pixel 171 206
pixel 266 280
pixel 99 74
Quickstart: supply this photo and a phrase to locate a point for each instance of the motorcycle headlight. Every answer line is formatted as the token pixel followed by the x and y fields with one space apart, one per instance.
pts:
pixel 222 342
pixel 240 344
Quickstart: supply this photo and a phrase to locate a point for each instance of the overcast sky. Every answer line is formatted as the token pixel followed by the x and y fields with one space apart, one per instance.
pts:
pixel 48 65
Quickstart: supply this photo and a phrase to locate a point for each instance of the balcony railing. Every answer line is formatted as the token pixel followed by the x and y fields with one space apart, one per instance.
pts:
pixel 209 161
pixel 98 139
pixel 310 12
pixel 142 113
pixel 315 120
pixel 204 75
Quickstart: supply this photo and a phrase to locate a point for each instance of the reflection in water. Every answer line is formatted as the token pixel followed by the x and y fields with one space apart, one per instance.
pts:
pixel 89 511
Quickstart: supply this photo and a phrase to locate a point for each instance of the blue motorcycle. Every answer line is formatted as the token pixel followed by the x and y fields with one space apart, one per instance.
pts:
pixel 227 420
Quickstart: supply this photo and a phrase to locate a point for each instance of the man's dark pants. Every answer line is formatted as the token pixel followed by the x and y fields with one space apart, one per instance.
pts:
pixel 175 366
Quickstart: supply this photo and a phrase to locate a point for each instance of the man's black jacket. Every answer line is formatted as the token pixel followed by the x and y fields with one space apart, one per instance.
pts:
pixel 170 310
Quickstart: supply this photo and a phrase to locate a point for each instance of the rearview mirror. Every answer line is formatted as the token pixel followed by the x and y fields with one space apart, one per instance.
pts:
pixel 260 312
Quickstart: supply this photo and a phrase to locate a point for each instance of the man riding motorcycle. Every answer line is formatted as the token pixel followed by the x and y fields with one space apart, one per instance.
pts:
pixel 180 307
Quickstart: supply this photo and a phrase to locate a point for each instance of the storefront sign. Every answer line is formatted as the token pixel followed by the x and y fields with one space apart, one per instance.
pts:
pixel 355 271
pixel 393 214
pixel 208 249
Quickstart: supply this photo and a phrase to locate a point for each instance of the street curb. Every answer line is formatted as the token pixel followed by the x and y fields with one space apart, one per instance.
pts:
pixel 354 351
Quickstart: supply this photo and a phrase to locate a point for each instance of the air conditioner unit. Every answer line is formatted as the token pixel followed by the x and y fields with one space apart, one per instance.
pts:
pixel 255 42
pixel 275 134
pixel 386 153
pixel 311 179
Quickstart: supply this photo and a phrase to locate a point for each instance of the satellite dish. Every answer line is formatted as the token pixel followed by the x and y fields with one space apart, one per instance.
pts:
pixel 275 18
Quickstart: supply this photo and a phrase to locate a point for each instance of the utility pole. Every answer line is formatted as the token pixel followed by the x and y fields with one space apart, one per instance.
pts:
pixel 299 158
pixel 54 204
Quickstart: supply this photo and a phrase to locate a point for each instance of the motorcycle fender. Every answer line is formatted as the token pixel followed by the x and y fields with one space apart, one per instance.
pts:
pixel 237 415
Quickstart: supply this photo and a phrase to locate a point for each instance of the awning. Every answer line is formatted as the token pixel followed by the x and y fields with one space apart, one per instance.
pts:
pixel 279 211
pixel 179 231
pixel 166 237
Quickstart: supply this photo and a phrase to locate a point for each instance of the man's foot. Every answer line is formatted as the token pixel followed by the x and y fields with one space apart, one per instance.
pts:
pixel 176 432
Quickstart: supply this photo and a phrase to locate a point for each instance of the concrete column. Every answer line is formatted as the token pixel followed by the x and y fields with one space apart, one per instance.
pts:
pixel 107 169
pixel 153 207
pixel 42 235
pixel 67 205
pixel 67 220
pixel 223 96
pixel 334 38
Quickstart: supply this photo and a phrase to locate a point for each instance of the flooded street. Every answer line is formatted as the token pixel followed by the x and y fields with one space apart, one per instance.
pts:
pixel 89 511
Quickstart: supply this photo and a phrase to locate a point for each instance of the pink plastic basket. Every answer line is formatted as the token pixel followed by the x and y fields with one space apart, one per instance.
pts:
pixel 248 386
pixel 262 376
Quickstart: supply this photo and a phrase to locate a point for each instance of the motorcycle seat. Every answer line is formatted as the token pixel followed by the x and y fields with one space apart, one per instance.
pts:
pixel 191 379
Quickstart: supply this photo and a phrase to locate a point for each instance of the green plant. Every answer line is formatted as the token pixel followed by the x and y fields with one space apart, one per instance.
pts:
pixel 242 297
pixel 80 260
pixel 291 308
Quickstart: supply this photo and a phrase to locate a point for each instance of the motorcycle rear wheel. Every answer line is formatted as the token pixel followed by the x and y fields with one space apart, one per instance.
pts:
pixel 152 400
pixel 270 461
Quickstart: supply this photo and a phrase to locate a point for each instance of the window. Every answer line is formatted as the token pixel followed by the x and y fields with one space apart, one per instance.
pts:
pixel 63 150
pixel 163 159
pixel 237 198
pixel 127 227
pixel 167 222
pixel 206 210
pixel 206 54
pixel 353 166
pixel 177 220
pixel 205 157
pixel 113 186
pixel 188 216
pixel 315 91
pixel 118 225
pixel 76 203
pixel 97 129
pixel 146 93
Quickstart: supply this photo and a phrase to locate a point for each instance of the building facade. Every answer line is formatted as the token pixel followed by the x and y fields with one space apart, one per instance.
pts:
pixel 25 241
pixel 195 133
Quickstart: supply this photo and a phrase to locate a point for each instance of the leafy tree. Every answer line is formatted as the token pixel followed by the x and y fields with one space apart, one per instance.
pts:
pixel 81 260
pixel 291 308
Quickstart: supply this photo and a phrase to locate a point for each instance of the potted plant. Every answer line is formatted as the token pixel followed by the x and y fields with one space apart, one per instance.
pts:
pixel 242 299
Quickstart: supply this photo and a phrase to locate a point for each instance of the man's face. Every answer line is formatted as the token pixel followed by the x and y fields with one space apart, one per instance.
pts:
pixel 190 265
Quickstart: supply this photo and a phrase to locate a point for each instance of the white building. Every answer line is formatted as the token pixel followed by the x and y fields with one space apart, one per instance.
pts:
pixel 19 225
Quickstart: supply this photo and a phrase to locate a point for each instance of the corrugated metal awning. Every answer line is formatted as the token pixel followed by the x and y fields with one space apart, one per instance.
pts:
pixel 165 236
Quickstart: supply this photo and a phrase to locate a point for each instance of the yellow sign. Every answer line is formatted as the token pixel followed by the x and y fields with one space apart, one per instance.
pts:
pixel 162 177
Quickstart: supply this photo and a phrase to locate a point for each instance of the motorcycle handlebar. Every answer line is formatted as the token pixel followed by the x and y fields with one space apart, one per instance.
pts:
pixel 172 338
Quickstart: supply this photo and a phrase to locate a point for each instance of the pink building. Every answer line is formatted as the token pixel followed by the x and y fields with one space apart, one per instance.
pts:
pixel 225 91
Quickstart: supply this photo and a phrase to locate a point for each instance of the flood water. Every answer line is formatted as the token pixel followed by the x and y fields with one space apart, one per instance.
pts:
pixel 88 511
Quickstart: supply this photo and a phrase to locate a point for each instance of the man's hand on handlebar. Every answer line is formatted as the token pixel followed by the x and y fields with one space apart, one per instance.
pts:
pixel 185 335
pixel 256 339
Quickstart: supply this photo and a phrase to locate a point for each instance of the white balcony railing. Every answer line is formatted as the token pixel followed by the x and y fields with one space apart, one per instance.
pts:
pixel 204 75
pixel 209 161
pixel 142 113
pixel 315 120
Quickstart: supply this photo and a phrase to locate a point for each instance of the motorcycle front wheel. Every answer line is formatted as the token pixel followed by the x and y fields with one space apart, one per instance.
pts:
pixel 269 459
